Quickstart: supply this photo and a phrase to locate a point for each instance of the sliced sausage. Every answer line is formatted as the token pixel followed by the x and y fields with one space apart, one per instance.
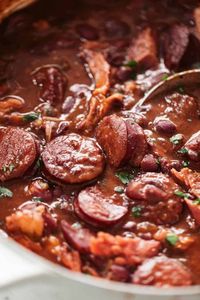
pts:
pixel 193 147
pixel 98 210
pixel 155 194
pixel 162 271
pixel 18 152
pixel 73 158
pixel 79 238
pixel 137 144
pixel 112 136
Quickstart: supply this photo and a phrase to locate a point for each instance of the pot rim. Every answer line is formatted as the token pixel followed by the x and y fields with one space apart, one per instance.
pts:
pixel 53 268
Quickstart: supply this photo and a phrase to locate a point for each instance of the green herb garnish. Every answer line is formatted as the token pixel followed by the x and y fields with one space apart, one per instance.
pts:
pixel 8 168
pixel 181 194
pixel 124 176
pixel 131 63
pixel 119 189
pixel 181 89
pixel 175 139
pixel 165 76
pixel 172 239
pixel 136 211
pixel 183 151
pixel 197 201
pixel 30 117
pixel 37 199
pixel 4 192
pixel 185 163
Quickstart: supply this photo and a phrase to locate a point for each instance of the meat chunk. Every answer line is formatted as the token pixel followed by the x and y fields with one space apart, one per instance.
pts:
pixel 197 20
pixel 175 42
pixel 51 82
pixel 125 251
pixel 112 136
pixel 79 237
pixel 162 271
pixel 143 50
pixel 73 158
pixel 100 69
pixel 11 103
pixel 193 147
pixel 155 195
pixel 27 221
pixel 95 208
pixel 190 179
pixel 127 137
pixel 137 144
pixel 18 152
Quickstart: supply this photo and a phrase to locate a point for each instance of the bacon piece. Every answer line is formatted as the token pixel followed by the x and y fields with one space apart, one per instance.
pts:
pixel 126 251
pixel 27 221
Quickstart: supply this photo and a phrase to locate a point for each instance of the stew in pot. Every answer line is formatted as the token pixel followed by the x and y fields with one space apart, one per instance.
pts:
pixel 88 181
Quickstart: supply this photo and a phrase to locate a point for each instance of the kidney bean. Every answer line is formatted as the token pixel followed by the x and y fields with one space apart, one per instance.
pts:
pixel 124 73
pixel 149 163
pixel 116 28
pixel 165 126
pixel 87 31
pixel 118 273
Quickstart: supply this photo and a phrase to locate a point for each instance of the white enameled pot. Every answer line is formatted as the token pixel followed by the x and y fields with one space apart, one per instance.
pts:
pixel 25 275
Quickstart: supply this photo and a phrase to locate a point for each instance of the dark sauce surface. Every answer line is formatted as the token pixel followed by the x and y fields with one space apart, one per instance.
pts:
pixel 38 40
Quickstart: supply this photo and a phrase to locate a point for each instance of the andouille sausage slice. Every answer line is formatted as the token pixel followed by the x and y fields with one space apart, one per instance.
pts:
pixel 18 152
pixel 155 193
pixel 112 136
pixel 73 158
pixel 162 271
pixel 79 238
pixel 137 144
pixel 95 208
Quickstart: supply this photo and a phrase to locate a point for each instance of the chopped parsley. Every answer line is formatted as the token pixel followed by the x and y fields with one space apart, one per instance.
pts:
pixel 176 139
pixel 185 163
pixel 137 211
pixel 172 239
pixel 119 189
pixel 8 168
pixel 4 192
pixel 181 194
pixel 124 176
pixel 165 76
pixel 37 199
pixel 39 163
pixel 30 117
pixel 131 63
pixel 197 201
pixel 181 89
pixel 183 151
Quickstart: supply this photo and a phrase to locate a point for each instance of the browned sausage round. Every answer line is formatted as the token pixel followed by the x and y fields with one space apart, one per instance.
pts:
pixel 17 152
pixel 112 136
pixel 155 194
pixel 162 271
pixel 79 238
pixel 98 210
pixel 137 145
pixel 73 158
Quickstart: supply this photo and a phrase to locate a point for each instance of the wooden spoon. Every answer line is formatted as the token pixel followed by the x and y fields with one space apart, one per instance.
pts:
pixel 7 7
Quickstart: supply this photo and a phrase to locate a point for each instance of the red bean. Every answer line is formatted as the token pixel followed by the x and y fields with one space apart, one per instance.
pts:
pixel 116 28
pixel 165 126
pixel 87 31
pixel 149 163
